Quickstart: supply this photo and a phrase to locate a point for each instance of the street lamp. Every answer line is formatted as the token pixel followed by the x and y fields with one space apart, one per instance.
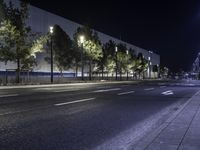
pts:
pixel 81 40
pixel 51 32
pixel 116 50
pixel 127 52
pixel 149 63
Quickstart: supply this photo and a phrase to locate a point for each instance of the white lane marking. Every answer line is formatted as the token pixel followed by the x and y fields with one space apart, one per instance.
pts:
pixel 149 89
pixel 163 86
pixel 169 92
pixel 106 90
pixel 65 91
pixel 76 101
pixel 125 93
pixel 9 95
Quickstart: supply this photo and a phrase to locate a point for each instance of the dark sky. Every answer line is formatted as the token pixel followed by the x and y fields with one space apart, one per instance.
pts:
pixel 170 28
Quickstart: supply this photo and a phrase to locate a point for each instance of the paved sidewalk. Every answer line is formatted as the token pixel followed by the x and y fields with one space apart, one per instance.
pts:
pixel 179 132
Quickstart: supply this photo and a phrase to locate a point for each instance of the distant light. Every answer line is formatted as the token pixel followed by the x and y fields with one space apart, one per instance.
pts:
pixel 150 63
pixel 151 52
pixel 51 29
pixel 149 58
pixel 81 38
pixel 116 49
pixel 127 52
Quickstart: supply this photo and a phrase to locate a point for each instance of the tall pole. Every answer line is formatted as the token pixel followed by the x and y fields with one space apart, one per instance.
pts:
pixel 82 64
pixel 81 40
pixel 127 65
pixel 116 62
pixel 51 32
pixel 51 60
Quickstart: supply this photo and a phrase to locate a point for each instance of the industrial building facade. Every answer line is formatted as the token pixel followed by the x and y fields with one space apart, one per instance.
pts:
pixel 40 21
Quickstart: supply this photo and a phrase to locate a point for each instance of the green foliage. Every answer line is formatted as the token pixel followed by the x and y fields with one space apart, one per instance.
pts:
pixel 107 61
pixel 92 45
pixel 92 49
pixel 141 63
pixel 16 40
pixel 62 48
pixel 110 65
pixel 9 36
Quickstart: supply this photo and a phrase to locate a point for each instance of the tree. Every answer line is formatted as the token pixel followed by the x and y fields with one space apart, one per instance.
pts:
pixel 62 49
pixel 76 56
pixel 107 61
pixel 142 64
pixel 91 46
pixel 121 58
pixel 16 38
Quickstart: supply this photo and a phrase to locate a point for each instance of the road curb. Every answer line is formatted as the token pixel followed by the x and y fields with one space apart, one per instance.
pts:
pixel 66 84
pixel 145 142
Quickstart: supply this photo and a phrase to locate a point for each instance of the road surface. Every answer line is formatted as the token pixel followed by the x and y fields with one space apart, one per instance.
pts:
pixel 86 116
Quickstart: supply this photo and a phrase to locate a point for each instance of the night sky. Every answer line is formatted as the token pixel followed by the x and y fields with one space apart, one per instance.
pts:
pixel 169 28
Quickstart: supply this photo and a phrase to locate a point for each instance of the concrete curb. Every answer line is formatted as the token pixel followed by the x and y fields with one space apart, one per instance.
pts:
pixel 145 142
pixel 65 84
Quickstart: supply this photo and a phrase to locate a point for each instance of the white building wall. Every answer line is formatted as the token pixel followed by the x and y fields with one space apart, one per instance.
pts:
pixel 40 21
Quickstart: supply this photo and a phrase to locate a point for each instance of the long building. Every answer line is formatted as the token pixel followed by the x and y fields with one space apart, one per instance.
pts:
pixel 40 21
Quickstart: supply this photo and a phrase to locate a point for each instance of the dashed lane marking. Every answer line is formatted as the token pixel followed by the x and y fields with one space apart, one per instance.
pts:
pixel 76 101
pixel 9 95
pixel 149 89
pixel 124 93
pixel 106 90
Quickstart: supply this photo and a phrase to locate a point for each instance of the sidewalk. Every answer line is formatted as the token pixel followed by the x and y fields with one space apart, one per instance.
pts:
pixel 180 132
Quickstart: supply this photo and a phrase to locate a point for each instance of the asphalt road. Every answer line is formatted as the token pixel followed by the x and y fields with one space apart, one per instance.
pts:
pixel 86 116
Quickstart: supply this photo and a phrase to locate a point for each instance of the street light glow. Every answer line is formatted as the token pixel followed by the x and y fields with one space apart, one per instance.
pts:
pixel 51 29
pixel 81 38
pixel 127 52
pixel 116 48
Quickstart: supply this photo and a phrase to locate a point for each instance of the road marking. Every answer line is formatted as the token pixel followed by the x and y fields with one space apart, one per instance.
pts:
pixel 76 101
pixel 124 93
pixel 163 86
pixel 65 91
pixel 10 95
pixel 149 89
pixel 169 92
pixel 106 90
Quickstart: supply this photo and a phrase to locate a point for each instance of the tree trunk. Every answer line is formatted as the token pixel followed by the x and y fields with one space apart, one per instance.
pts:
pixel 120 73
pixel 76 70
pixel 90 70
pixel 18 71
pixel 102 72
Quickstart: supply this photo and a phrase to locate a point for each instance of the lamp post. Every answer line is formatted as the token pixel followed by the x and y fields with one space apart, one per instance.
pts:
pixel 81 39
pixel 127 52
pixel 116 50
pixel 51 32
pixel 149 63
